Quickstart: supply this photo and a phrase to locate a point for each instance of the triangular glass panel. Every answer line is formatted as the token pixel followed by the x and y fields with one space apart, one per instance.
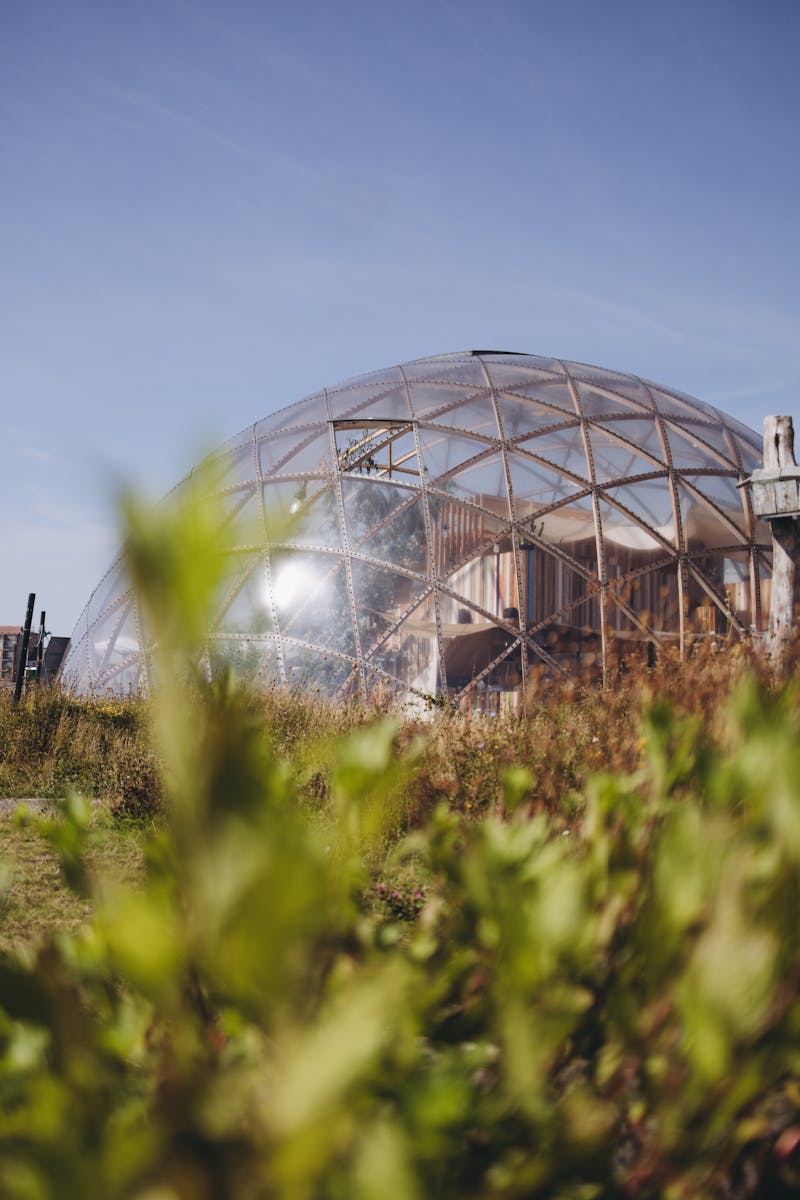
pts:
pixel 302 512
pixel 564 448
pixel 389 402
pixel 310 411
pixel 624 386
pixel 488 583
pixel 536 486
pixel 381 598
pixel 570 525
pixel 430 400
pixel 510 371
pixel 614 460
pixel 308 668
pixel 253 659
pixel 600 405
pixel 410 654
pixel 459 532
pixel 113 640
pixel 653 594
pixel 641 433
pixel 127 679
pixel 699 445
pixel 368 502
pixel 483 484
pixel 238 467
pixel 444 451
pixel 649 525
pixel 297 452
pixel 475 415
pixel 551 584
pixel 246 607
pixel 525 418
pixel 400 541
pixel 463 369
pixel 242 522
pixel 723 493
pixel 554 394
pixel 310 595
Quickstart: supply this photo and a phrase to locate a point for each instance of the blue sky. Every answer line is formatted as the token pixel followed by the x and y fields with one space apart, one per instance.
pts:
pixel 209 211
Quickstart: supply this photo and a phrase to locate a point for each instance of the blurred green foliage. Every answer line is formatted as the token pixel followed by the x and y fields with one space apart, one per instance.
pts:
pixel 601 1007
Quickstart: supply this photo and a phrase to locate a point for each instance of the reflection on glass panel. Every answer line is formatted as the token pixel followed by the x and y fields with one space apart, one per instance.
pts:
pixel 615 460
pixel 489 583
pixel 570 523
pixel 306 412
pixel 512 371
pixel 722 492
pixel 525 418
pixel 253 659
pixel 552 394
pixel 113 640
pixel 367 503
pixel 303 512
pixel 639 432
pixel 702 526
pixel 563 448
pixel 695 445
pixel 309 454
pixel 246 607
pixel 690 405
pixel 443 451
pixel 484 483
pixel 598 404
pixel 401 540
pixel 310 595
pixel 475 415
pixel 390 402
pixel 409 655
pixel 462 369
pixel 536 486
pixel 652 594
pixel 459 531
pixel 308 668
pixel 648 499
pixel 382 596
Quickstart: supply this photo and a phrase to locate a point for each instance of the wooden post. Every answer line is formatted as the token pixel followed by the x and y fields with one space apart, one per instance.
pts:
pixel 779 462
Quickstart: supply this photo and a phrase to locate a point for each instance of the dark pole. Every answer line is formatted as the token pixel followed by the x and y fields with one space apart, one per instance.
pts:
pixel 40 648
pixel 23 657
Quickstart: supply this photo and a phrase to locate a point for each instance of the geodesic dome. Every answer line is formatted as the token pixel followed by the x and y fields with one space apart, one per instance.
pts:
pixel 460 520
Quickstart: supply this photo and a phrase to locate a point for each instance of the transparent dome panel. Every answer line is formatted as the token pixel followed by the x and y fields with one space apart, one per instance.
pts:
pixel 246 605
pixel 307 668
pixel 615 459
pixel 443 451
pixel 253 659
pixel 368 503
pixel 641 433
pixel 382 598
pixel 475 416
pixel 400 540
pixel 311 599
pixel 649 503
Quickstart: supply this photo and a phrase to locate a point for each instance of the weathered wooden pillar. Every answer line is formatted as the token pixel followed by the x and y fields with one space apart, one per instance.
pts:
pixel 775 492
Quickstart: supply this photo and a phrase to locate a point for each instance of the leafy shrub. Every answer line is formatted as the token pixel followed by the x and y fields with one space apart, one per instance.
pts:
pixel 600 1006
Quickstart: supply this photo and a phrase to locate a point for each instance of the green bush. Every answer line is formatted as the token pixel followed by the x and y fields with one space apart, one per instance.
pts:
pixel 593 1007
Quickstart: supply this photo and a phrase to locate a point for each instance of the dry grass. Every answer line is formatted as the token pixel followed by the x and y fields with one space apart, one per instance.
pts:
pixel 35 903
